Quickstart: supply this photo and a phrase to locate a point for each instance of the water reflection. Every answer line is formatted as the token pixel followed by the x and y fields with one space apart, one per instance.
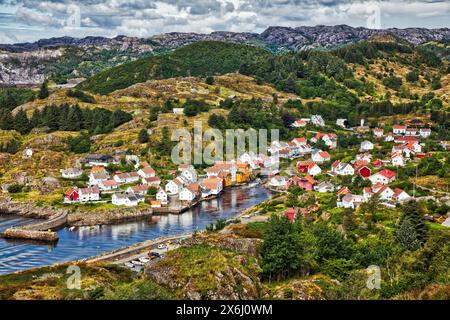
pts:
pixel 84 242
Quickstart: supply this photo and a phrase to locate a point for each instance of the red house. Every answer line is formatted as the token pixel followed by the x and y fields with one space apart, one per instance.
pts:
pixel 423 155
pixel 377 164
pixel 302 166
pixel 364 172
pixel 307 183
pixel 342 191
pixel 72 194
pixel 291 213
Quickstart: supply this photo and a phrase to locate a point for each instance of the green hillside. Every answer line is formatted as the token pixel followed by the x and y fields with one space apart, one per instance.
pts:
pixel 198 59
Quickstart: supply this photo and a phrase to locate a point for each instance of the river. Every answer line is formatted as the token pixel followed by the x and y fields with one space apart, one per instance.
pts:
pixel 86 242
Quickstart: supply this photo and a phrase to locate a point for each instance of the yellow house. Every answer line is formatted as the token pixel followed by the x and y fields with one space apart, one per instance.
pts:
pixel 243 172
pixel 226 176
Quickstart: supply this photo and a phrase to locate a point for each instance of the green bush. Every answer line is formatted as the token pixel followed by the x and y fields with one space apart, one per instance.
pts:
pixel 15 188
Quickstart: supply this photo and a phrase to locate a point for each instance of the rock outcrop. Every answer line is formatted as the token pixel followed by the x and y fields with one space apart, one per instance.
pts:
pixel 297 290
pixel 20 233
pixel 243 245
pixel 209 270
pixel 107 217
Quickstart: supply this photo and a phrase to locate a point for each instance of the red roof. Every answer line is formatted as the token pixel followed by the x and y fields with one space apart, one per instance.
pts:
pixel 291 213
pixel 312 165
pixel 310 179
pixel 407 139
pixel 324 154
pixel 139 188
pixel 335 164
pixel 377 162
pixel 70 191
pixel 304 163
pixel 387 173
pixel 148 170
pixel 398 126
pixel 299 140
pixel 343 190
pixel 152 179
pixel 397 192
pixel 109 183
pixel 89 190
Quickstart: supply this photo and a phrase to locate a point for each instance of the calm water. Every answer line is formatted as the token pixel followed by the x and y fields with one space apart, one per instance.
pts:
pixel 86 242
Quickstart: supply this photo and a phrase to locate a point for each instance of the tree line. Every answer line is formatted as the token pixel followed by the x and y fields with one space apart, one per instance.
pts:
pixel 64 117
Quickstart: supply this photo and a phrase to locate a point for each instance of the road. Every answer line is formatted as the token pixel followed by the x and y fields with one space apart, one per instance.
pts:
pixel 135 251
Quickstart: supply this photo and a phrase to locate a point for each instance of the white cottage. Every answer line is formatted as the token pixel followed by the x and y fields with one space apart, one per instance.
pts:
pixel 366 146
pixel 161 196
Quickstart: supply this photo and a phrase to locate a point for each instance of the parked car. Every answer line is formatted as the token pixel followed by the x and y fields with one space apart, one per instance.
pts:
pixel 144 260
pixel 162 246
pixel 153 254
pixel 137 263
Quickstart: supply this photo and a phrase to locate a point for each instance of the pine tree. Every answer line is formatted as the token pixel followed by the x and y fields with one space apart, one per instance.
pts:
pixel 74 119
pixel 407 236
pixel 43 92
pixel 281 248
pixel 6 120
pixel 36 118
pixel 21 122
pixel 412 231
pixel 143 136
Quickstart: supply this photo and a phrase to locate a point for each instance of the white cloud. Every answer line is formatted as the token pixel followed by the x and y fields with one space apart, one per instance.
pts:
pixel 148 17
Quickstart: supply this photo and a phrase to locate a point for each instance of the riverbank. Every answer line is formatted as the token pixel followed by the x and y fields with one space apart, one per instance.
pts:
pixel 78 216
pixel 83 242
pixel 131 252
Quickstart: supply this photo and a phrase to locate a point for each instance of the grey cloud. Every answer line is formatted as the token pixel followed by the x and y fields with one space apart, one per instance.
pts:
pixel 172 21
pixel 33 18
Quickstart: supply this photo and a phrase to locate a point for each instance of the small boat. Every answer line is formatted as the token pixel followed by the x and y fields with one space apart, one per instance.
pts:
pixel 72 229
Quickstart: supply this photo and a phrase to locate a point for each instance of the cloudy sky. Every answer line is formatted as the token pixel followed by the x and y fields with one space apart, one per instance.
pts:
pixel 29 20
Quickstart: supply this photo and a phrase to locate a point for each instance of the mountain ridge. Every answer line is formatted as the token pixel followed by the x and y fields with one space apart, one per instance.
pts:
pixel 309 33
pixel 66 58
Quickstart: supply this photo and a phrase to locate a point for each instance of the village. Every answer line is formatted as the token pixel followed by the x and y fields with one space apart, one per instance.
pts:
pixel 183 191
pixel 301 162
pixel 319 171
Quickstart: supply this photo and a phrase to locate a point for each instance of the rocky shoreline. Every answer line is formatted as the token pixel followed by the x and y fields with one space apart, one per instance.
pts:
pixel 107 217
pixel 76 218
pixel 49 219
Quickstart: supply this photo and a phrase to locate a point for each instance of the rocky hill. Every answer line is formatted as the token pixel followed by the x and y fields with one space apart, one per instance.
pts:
pixel 333 36
pixel 66 57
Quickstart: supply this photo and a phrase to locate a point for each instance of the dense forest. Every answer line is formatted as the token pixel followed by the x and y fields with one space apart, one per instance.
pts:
pixel 198 59
pixel 410 255
pixel 13 97
pixel 65 118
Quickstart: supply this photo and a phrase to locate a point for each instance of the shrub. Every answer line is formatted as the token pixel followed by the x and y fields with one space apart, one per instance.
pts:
pixel 15 188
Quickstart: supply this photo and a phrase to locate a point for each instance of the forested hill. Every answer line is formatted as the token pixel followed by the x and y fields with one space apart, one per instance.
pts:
pixel 384 68
pixel 198 59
